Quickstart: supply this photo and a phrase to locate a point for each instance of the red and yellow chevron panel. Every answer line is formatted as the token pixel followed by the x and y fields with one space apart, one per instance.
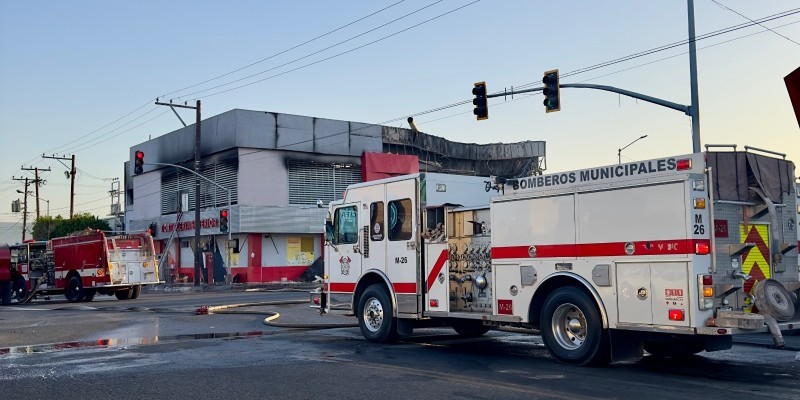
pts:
pixel 755 262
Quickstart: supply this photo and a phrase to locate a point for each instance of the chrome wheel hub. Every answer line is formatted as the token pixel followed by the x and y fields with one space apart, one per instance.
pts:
pixel 569 326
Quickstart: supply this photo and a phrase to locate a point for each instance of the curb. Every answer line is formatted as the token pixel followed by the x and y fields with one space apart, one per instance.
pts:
pixel 270 286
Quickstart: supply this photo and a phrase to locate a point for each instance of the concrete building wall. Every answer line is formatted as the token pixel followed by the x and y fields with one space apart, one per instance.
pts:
pixel 263 179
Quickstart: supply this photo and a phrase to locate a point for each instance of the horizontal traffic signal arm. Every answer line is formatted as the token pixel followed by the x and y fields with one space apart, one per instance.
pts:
pixel 664 103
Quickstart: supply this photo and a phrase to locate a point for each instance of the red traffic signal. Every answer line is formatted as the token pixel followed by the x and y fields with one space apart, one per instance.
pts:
pixel 138 162
pixel 223 220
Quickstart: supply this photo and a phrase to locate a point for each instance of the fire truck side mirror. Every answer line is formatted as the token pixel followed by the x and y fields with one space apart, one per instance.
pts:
pixel 328 232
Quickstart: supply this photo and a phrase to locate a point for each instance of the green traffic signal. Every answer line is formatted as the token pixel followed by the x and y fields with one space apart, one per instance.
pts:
pixel 551 91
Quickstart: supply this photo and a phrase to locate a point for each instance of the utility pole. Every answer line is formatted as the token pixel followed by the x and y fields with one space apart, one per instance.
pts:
pixel 116 209
pixel 197 258
pixel 694 108
pixel 71 176
pixel 37 182
pixel 25 206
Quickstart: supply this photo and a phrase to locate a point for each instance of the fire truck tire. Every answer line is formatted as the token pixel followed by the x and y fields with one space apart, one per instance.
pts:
pixel 88 295
pixel 469 327
pixel 123 294
pixel 136 291
pixel 74 291
pixel 5 292
pixel 20 290
pixel 572 329
pixel 375 316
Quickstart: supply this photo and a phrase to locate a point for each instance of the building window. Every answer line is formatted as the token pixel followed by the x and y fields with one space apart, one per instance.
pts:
pixel 400 219
pixel 177 189
pixel 310 181
pixel 345 226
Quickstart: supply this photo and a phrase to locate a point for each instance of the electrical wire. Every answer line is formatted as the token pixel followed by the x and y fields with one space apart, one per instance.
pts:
pixel 575 72
pixel 86 145
pixel 751 20
pixel 284 51
pixel 331 57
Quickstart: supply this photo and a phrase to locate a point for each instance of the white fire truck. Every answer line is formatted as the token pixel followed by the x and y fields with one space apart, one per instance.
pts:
pixel 672 255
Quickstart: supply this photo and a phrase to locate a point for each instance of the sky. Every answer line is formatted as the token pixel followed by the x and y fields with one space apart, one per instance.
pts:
pixel 80 77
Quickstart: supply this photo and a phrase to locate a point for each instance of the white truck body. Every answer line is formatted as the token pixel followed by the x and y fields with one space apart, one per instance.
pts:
pixel 604 262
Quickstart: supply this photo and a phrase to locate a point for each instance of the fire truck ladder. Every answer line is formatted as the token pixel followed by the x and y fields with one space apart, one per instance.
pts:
pixel 167 247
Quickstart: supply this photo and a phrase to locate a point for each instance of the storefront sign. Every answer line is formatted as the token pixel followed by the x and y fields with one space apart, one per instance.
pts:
pixel 189 225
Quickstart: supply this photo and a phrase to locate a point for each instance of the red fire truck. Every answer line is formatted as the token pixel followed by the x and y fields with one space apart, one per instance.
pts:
pixel 79 266
pixel 672 255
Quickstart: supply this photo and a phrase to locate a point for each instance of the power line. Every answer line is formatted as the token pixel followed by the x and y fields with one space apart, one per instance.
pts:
pixel 327 58
pixel 575 72
pixel 616 61
pixel 749 19
pixel 285 51
pixel 86 145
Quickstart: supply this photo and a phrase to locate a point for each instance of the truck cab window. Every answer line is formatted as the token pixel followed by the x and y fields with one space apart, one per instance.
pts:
pixel 345 225
pixel 376 221
pixel 400 219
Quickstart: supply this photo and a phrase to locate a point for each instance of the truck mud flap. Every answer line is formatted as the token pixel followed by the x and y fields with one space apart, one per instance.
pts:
pixel 625 345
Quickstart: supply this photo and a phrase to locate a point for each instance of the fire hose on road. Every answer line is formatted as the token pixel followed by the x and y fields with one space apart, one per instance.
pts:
pixel 270 320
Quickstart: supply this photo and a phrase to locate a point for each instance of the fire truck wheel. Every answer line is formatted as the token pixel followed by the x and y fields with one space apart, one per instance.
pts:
pixel 20 290
pixel 5 292
pixel 572 329
pixel 136 291
pixel 123 294
pixel 375 315
pixel 89 295
pixel 74 291
pixel 470 327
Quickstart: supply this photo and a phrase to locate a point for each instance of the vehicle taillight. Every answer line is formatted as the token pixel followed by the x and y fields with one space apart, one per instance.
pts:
pixel 684 164
pixel 434 303
pixel 705 289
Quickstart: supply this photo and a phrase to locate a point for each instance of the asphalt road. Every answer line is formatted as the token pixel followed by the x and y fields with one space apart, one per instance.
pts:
pixel 159 354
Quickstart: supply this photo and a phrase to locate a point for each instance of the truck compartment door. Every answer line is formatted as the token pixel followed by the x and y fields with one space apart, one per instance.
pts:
pixel 652 293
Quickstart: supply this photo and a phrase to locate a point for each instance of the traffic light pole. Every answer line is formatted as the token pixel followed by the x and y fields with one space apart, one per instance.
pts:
pixel 197 208
pixel 197 259
pixel 650 99
pixel 227 191
pixel 694 110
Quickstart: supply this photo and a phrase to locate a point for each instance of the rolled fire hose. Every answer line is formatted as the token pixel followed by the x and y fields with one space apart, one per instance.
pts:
pixel 775 303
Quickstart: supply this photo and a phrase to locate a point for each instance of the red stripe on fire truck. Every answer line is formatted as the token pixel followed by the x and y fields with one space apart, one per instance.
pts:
pixel 643 248
pixel 437 267
pixel 348 287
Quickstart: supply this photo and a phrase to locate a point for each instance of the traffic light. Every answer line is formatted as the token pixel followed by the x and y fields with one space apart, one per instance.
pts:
pixel 481 110
pixel 551 91
pixel 152 229
pixel 138 162
pixel 223 220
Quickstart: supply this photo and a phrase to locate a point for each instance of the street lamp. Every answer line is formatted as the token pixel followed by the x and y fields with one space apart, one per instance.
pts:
pixel 619 151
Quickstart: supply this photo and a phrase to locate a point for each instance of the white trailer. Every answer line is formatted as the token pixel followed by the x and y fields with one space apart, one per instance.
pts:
pixel 660 255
